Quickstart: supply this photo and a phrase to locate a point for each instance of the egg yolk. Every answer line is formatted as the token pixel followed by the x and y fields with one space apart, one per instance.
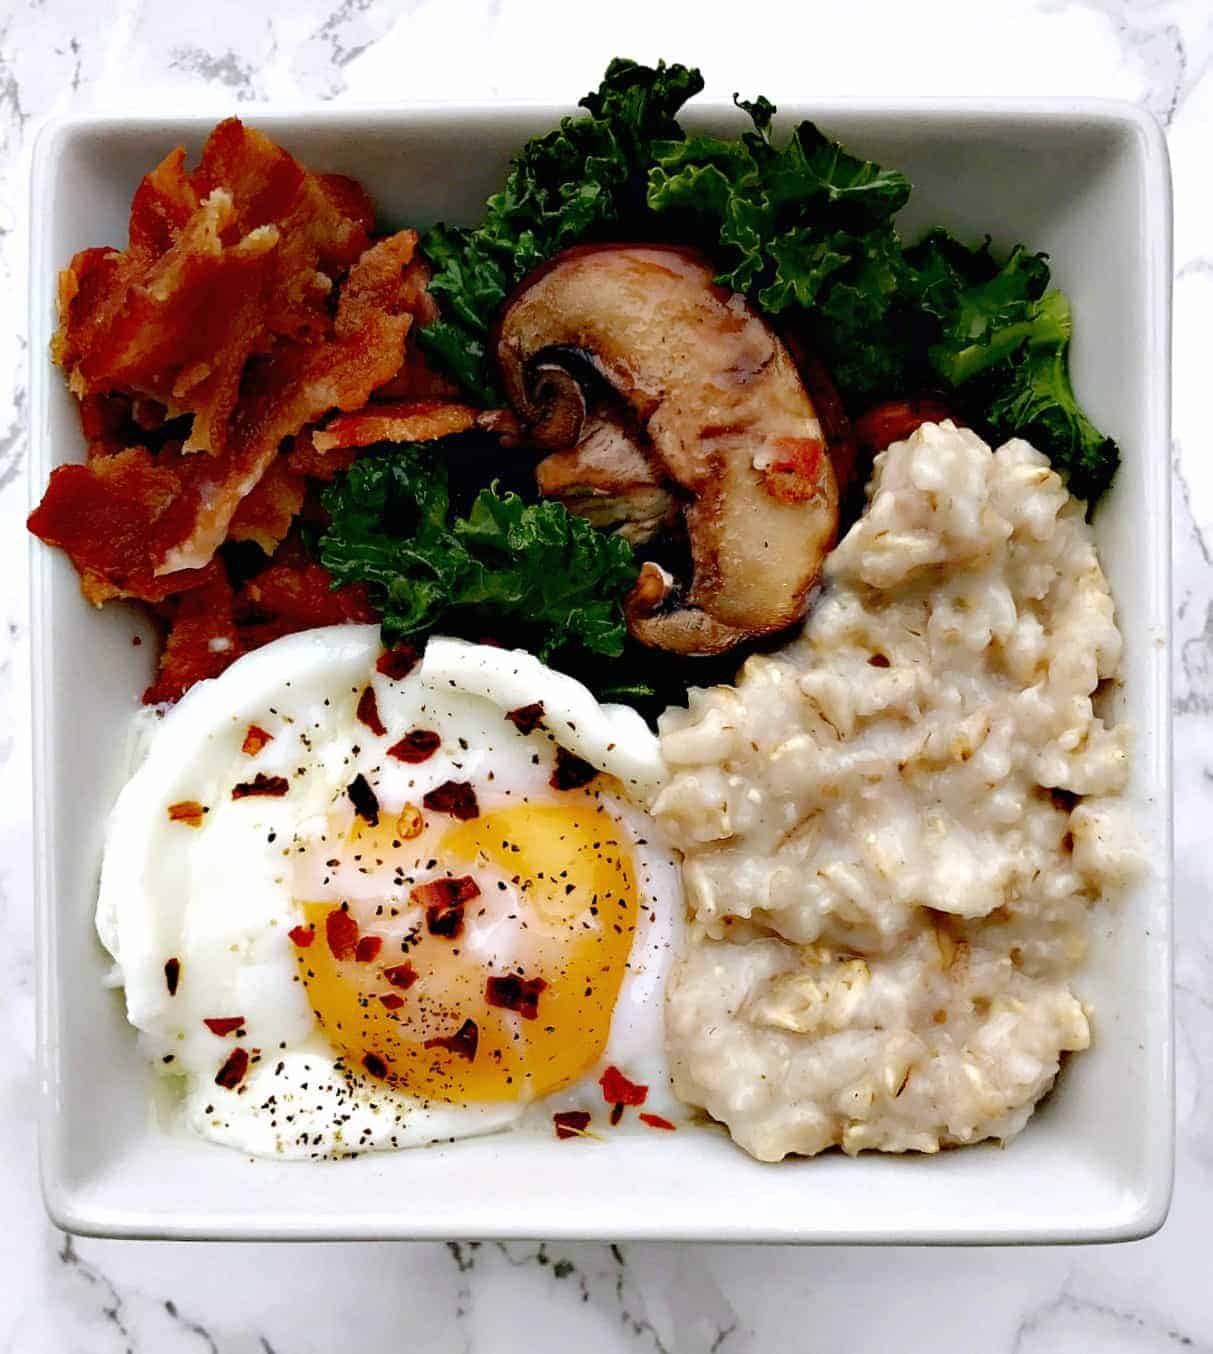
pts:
pixel 555 901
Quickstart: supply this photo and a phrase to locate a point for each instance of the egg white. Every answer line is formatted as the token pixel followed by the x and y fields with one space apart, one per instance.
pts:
pixel 221 897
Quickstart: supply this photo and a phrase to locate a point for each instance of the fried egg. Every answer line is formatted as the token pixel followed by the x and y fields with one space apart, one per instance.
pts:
pixel 361 902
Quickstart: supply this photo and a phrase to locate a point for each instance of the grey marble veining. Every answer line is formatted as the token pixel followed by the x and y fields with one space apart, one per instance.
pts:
pixel 58 1294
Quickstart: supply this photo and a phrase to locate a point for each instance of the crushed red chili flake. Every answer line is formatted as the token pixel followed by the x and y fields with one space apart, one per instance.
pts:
pixel 571 1123
pixel 402 975
pixel 368 712
pixel 571 772
pixel 341 932
pixel 418 745
pixel 364 800
pixel 368 948
pixel 255 739
pixel 222 1025
pixel 527 718
pixel 616 1114
pixel 392 1000
pixel 463 1043
pixel 302 936
pixel 515 994
pixel 398 662
pixel 456 797
pixel 172 975
pixel 443 900
pixel 261 784
pixel 618 1090
pixel 375 1065
pixel 655 1121
pixel 231 1074
pixel 187 811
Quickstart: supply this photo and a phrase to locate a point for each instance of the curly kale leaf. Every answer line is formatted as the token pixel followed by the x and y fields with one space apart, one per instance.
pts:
pixel 584 179
pixel 392 528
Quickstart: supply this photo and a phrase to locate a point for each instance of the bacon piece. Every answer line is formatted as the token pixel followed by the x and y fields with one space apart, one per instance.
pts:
pixel 570 772
pixel 418 745
pixel 272 787
pixel 364 800
pixel 368 712
pixel 231 1074
pixel 172 975
pixel 202 638
pixel 187 811
pixel 513 993
pixel 296 594
pixel 655 1121
pixel 527 718
pixel 302 936
pixel 794 475
pixel 402 975
pixel 341 932
pixel 222 1025
pixel 255 739
pixel 397 662
pixel 571 1123
pixel 417 421
pixel 110 516
pixel 250 298
pixel 463 1043
pixel 305 460
pixel 265 514
pixel 456 797
pixel 618 1090
pixel 367 949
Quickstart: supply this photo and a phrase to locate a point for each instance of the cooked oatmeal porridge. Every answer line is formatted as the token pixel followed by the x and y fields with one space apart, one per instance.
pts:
pixel 894 829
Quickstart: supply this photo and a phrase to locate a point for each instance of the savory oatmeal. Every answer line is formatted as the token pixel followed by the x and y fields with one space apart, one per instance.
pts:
pixel 895 828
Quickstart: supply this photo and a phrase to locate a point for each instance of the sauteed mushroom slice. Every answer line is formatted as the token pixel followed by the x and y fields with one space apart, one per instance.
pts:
pixel 723 411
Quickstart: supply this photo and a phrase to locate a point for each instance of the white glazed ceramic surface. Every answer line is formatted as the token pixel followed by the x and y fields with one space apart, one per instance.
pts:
pixel 1086 181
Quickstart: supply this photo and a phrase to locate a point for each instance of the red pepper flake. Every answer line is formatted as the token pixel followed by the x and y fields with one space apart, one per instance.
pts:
pixel 368 712
pixel 571 1123
pixel 571 772
pixel 443 900
pixel 222 1025
pixel 616 1114
pixel 255 739
pixel 392 1000
pixel 364 800
pixel 398 662
pixel 456 797
pixel 302 936
pixel 231 1074
pixel 527 718
pixel 136 641
pixel 187 811
pixel 172 975
pixel 656 1121
pixel 261 784
pixel 368 948
pixel 375 1065
pixel 515 994
pixel 402 975
pixel 418 745
pixel 341 932
pixel 463 1042
pixel 618 1090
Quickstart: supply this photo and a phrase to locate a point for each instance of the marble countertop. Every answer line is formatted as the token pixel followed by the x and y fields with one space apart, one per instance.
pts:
pixel 58 1294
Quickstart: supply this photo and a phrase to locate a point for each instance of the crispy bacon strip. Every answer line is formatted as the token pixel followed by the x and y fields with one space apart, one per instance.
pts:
pixel 420 421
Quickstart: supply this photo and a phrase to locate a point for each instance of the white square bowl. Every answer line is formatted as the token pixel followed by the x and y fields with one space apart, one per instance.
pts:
pixel 1086 181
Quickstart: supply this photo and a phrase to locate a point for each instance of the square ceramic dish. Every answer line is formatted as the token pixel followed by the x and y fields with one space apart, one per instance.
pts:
pixel 1088 182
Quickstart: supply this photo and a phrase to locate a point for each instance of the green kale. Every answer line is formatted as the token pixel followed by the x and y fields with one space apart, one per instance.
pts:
pixel 507 561
pixel 583 180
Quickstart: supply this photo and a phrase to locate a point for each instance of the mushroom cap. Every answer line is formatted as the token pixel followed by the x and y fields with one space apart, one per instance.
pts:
pixel 720 401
